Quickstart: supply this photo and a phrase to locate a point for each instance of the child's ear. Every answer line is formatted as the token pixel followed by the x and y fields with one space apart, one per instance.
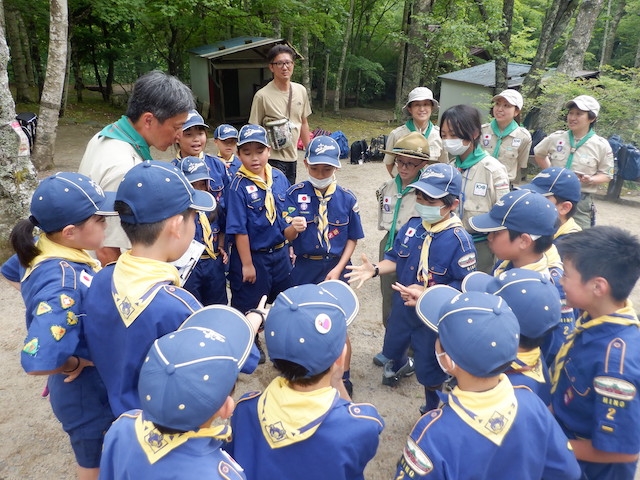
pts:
pixel 68 232
pixel 564 207
pixel 454 206
pixel 226 410
pixel 601 287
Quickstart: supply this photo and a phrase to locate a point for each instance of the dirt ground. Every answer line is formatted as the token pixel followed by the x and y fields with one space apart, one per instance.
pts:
pixel 34 445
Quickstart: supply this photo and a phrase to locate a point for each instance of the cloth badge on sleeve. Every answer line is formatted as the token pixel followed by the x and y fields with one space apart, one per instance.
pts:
pixel 31 347
pixel 304 198
pixel 614 388
pixel 480 189
pixel 86 279
pixel 57 332
pixel 43 307
pixel 251 188
pixel 66 301
pixel 467 260
pixel 72 319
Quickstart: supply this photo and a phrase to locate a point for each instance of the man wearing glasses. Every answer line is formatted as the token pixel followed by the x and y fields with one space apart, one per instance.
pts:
pixel 285 104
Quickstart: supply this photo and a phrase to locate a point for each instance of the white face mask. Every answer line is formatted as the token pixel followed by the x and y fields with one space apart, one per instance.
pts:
pixel 323 183
pixel 428 213
pixel 455 146
pixel 453 364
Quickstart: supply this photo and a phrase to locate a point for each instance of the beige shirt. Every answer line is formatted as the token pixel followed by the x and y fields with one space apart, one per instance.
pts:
pixel 270 103
pixel 387 196
pixel 105 161
pixel 436 149
pixel 482 186
pixel 514 150
pixel 595 156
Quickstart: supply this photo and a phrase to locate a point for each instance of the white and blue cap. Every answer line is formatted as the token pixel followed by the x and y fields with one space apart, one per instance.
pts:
pixel 439 180
pixel 522 211
pixel 477 330
pixel 155 191
pixel 224 132
pixel 532 296
pixel 557 181
pixel 323 150
pixel 252 133
pixel 194 169
pixel 188 374
pixel 67 198
pixel 307 324
pixel 194 119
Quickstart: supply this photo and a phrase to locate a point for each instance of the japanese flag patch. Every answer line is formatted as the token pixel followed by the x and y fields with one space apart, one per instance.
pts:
pixel 304 198
pixel 251 188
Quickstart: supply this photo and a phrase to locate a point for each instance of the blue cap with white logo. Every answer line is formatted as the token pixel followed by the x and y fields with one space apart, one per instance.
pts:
pixel 323 150
pixel 439 180
pixel 194 119
pixel 224 132
pixel 252 133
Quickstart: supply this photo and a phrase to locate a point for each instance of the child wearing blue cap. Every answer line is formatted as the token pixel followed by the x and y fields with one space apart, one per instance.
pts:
pixel 70 210
pixel 185 384
pixel 138 299
pixel 535 302
pixel 432 249
pixel 520 228
pixel 207 280
pixel 300 426
pixel 596 375
pixel 259 263
pixel 487 428
pixel 225 137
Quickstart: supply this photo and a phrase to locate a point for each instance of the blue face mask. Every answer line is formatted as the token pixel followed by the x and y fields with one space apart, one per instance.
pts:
pixel 429 213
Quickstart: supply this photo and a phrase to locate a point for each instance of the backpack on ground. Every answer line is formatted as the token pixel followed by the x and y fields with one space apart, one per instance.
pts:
pixel 358 152
pixel 342 141
pixel 376 146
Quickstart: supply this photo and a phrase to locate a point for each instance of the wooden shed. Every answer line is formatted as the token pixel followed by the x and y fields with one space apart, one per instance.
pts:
pixel 225 76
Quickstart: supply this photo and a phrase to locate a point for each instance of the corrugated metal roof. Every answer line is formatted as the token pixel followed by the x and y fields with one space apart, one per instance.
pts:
pixel 234 45
pixel 485 74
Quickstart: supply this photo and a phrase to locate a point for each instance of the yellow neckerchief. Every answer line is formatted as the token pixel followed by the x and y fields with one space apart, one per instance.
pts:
pixel 269 201
pixel 323 219
pixel 541 266
pixel 423 267
pixel 156 445
pixel 530 365
pixel 288 416
pixel 50 249
pixel 207 234
pixel 489 413
pixel 626 316
pixel 570 226
pixel 553 257
pixel 134 279
pixel 200 156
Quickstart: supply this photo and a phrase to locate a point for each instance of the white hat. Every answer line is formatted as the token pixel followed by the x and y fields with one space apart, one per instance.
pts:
pixel 417 94
pixel 511 96
pixel 585 103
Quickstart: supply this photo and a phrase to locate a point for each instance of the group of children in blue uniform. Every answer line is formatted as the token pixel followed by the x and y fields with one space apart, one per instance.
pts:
pixel 167 365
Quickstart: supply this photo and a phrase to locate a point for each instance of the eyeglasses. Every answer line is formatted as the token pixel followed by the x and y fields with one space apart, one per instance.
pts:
pixel 408 165
pixel 287 64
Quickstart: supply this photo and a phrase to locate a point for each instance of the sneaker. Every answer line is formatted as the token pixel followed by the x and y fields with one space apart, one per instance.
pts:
pixel 263 357
pixel 348 386
pixel 391 377
pixel 380 360
pixel 412 369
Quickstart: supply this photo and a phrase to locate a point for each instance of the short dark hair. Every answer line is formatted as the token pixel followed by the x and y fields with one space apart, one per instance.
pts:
pixel 540 245
pixel 465 122
pixel 529 343
pixel 278 49
pixel 574 206
pixel 592 116
pixel 447 199
pixel 141 233
pixel 608 252
pixel 296 373
pixel 160 94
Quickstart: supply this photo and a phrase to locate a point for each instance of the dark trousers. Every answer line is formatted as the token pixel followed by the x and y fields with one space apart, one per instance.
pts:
pixel 288 168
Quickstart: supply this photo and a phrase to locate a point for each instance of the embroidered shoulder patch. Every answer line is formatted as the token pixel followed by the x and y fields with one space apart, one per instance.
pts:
pixel 66 301
pixel 72 319
pixel 614 388
pixel 43 307
pixel 415 460
pixel 57 332
pixel 467 261
pixel 31 347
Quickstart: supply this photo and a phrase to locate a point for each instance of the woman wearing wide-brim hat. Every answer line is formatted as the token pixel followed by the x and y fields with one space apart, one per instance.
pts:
pixel 581 150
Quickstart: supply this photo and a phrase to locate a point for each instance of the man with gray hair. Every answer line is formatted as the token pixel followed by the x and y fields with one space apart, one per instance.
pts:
pixel 157 108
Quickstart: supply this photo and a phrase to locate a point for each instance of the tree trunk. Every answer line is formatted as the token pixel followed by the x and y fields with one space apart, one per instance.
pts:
pixel 343 56
pixel 636 63
pixel 555 21
pixel 573 57
pixel 53 85
pixel 415 48
pixel 17 175
pixel 18 57
pixel 615 12
pixel 402 54
pixel 26 47
pixel 306 72
pixel 504 39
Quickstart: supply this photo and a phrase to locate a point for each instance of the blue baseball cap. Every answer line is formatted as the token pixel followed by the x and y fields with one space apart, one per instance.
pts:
pixel 194 169
pixel 557 181
pixel 323 150
pixel 188 374
pixel 252 133
pixel 522 211
pixel 157 190
pixel 67 198
pixel 531 295
pixel 225 131
pixel 307 324
pixel 194 119
pixel 439 180
pixel 477 330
